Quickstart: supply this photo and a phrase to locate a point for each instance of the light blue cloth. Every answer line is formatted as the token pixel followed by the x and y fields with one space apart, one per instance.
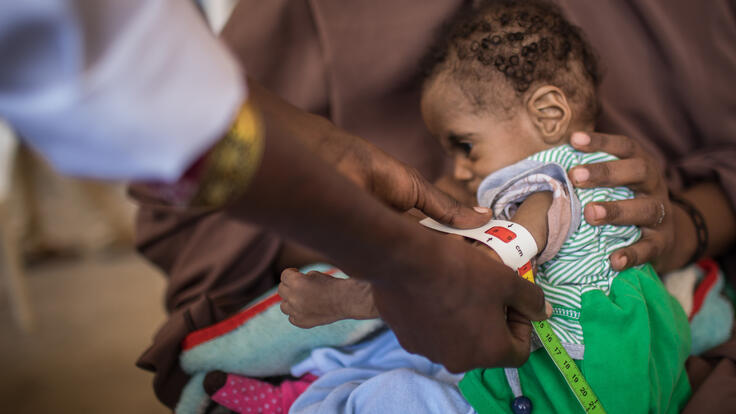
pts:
pixel 377 376
pixel 711 325
pixel 494 185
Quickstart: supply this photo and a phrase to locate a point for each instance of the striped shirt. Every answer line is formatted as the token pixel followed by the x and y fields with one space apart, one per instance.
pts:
pixel 582 263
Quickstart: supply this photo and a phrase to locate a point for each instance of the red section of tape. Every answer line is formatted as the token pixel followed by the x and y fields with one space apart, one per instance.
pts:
pixel 523 269
pixel 503 234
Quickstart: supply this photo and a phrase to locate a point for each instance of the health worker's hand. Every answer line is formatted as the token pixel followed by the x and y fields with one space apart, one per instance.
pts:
pixel 460 308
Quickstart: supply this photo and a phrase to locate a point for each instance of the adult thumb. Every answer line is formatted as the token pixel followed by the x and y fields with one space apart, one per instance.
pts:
pixel 440 206
pixel 528 299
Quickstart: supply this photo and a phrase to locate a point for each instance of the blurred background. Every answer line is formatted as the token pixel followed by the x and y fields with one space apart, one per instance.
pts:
pixel 77 304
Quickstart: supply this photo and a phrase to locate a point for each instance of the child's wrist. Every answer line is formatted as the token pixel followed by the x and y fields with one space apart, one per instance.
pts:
pixel 532 214
pixel 538 229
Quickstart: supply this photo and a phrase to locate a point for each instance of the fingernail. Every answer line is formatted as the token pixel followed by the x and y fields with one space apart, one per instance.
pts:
pixel 482 210
pixel 619 262
pixel 548 308
pixel 580 139
pixel 580 175
pixel 599 213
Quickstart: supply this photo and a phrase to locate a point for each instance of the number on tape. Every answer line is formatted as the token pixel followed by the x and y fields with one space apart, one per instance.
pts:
pixel 565 364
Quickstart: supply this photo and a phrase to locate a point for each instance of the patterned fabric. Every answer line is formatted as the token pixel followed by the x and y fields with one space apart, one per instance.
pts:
pixel 582 262
pixel 249 395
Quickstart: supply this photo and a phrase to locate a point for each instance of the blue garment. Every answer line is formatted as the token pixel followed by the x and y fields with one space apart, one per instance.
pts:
pixel 377 376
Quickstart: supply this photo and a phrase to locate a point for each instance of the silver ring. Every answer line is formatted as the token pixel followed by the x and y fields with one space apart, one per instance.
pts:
pixel 662 213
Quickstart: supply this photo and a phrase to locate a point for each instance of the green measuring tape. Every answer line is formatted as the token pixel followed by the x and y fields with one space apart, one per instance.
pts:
pixel 568 368
pixel 563 361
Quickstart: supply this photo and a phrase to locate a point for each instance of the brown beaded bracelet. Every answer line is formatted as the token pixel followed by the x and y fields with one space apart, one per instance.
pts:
pixel 701 229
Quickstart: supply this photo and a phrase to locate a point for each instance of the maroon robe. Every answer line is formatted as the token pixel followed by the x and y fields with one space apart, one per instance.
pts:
pixel 669 83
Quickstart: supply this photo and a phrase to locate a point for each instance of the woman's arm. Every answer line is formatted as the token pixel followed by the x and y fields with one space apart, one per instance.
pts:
pixel 716 209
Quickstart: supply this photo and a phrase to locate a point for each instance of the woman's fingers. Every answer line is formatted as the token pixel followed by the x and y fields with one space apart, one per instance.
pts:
pixel 618 145
pixel 641 211
pixel 634 172
pixel 637 170
pixel 647 249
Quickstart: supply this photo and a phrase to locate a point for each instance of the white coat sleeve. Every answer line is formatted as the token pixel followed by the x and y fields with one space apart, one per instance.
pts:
pixel 133 89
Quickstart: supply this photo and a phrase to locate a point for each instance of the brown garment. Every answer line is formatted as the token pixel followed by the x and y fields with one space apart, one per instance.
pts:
pixel 713 379
pixel 669 80
pixel 669 84
pixel 215 266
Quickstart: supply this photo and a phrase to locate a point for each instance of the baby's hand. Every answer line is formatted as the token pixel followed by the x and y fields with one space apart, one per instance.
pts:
pixel 318 299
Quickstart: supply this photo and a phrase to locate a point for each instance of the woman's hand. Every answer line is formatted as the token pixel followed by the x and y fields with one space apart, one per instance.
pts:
pixel 651 209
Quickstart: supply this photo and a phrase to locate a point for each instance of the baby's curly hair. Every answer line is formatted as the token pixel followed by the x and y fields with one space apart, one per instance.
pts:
pixel 523 42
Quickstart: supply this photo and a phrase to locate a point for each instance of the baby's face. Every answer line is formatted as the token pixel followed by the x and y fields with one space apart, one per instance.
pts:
pixel 479 141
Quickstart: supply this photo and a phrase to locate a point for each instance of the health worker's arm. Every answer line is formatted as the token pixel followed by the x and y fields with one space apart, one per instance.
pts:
pixel 139 89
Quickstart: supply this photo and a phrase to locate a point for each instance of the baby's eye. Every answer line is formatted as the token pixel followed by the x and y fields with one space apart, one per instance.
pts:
pixel 465 147
pixel 461 143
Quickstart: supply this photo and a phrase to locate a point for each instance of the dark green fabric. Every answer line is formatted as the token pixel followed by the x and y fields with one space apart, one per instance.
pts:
pixel 636 341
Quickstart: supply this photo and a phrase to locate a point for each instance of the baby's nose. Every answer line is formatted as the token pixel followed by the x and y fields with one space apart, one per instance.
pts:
pixel 462 172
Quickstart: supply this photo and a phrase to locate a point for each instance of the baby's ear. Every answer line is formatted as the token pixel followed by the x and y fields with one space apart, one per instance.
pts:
pixel 550 113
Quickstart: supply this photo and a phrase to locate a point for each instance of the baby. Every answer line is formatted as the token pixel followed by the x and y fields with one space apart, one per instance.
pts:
pixel 506 87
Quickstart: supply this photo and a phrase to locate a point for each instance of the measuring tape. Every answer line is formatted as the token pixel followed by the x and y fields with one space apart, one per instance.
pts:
pixel 516 247
pixel 563 361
